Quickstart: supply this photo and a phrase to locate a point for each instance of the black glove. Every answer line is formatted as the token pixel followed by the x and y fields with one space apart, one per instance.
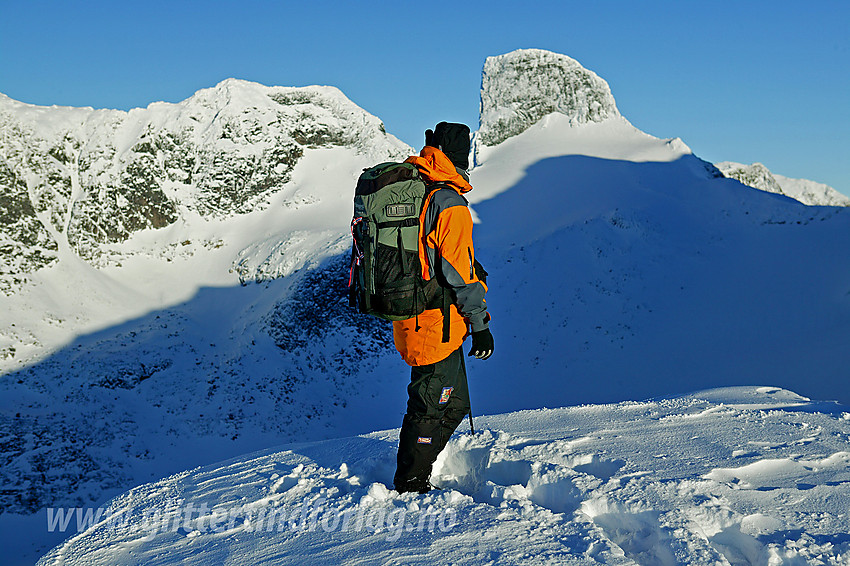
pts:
pixel 480 272
pixel 482 344
pixel 429 138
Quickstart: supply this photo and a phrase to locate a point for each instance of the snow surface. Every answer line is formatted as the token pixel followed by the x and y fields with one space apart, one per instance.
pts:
pixel 811 192
pixel 751 475
pixel 620 259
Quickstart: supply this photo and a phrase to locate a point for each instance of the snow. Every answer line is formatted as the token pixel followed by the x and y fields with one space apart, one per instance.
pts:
pixel 764 479
pixel 628 268
pixel 811 192
pixel 501 167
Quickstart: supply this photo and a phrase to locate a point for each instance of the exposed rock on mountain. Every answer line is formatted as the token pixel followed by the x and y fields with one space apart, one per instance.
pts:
pixel 25 243
pixel 759 177
pixel 80 177
pixel 521 87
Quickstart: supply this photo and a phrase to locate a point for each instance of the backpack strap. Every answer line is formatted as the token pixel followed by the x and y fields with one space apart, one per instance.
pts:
pixel 446 299
pixel 406 223
pixel 447 305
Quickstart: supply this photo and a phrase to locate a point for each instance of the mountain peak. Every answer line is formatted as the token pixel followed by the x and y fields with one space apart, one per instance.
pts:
pixel 84 179
pixel 758 176
pixel 523 86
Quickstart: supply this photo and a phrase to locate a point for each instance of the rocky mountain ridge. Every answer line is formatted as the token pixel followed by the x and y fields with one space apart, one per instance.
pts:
pixel 79 178
pixel 760 177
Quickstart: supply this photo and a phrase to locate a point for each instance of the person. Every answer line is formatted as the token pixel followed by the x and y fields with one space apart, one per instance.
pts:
pixel 438 393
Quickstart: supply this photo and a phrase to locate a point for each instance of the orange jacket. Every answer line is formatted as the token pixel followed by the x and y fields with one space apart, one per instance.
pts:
pixel 445 252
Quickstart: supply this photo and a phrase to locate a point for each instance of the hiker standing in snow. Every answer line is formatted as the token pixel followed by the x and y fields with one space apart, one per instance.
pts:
pixel 413 262
pixel 438 394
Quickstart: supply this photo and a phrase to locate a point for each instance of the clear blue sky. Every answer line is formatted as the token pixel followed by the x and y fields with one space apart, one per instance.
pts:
pixel 739 81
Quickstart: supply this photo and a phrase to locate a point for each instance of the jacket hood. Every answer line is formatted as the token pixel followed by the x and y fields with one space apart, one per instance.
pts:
pixel 435 166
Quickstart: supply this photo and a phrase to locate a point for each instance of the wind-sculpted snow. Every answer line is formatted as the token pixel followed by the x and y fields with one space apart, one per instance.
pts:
pixel 753 475
pixel 521 87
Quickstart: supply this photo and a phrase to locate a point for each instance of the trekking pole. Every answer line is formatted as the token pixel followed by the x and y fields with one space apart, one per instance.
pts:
pixel 471 426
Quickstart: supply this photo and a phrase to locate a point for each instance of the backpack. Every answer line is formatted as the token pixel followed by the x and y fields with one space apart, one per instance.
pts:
pixel 385 279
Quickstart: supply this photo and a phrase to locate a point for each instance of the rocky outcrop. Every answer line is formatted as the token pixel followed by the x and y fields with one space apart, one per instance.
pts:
pixel 80 178
pixel 521 87
pixel 760 177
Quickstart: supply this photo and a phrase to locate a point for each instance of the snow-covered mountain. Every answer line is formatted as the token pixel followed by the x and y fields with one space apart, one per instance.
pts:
pixel 624 260
pixel 621 267
pixel 759 177
pixel 79 178
pixel 139 347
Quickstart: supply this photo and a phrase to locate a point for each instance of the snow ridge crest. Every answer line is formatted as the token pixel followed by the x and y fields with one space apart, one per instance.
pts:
pixel 521 87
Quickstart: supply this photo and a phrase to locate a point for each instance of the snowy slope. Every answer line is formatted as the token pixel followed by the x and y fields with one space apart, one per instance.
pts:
pixel 621 267
pixel 808 192
pixel 811 192
pixel 155 352
pixel 753 475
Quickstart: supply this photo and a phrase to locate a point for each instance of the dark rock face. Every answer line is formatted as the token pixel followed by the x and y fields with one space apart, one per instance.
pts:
pixel 321 334
pixel 25 243
pixel 319 308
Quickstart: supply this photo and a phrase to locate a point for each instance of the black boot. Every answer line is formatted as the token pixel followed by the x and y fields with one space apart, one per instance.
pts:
pixel 418 445
pixel 416 485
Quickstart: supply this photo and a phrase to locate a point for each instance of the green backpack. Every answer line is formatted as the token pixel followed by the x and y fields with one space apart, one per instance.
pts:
pixel 385 279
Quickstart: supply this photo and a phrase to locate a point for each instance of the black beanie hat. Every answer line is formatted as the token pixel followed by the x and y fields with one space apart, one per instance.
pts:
pixel 453 140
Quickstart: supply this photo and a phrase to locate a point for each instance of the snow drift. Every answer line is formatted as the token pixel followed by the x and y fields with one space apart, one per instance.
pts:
pixel 741 476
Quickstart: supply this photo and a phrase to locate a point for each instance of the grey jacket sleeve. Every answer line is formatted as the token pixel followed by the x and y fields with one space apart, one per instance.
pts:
pixel 455 256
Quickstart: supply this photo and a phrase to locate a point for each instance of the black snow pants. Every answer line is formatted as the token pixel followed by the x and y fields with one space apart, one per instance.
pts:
pixel 438 400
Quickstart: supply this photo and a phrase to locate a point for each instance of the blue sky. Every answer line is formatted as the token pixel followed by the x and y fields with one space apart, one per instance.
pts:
pixel 739 81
